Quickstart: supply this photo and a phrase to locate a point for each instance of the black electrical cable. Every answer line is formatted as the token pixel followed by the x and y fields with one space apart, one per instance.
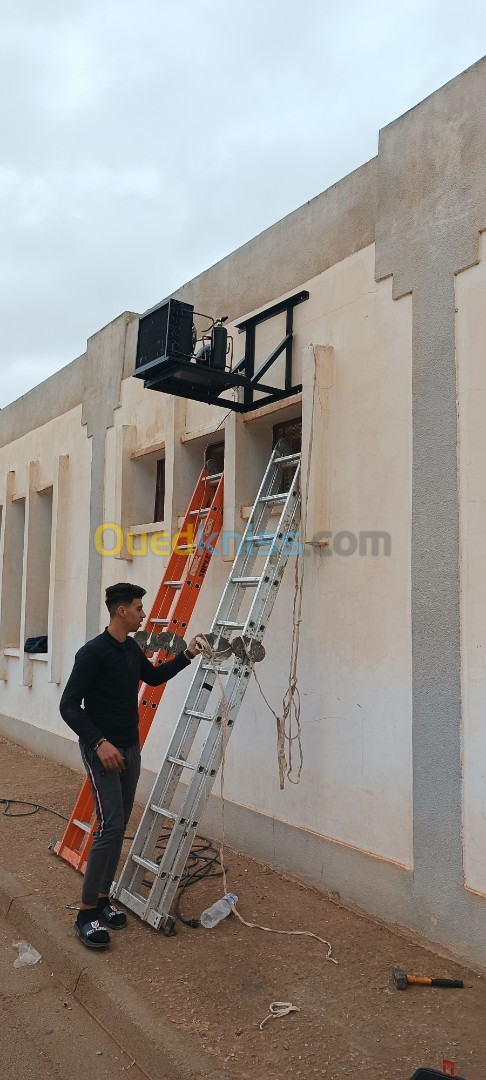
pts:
pixel 7 803
pixel 201 862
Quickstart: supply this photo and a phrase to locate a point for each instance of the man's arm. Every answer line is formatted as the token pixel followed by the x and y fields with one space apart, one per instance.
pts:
pixel 161 673
pixel 86 667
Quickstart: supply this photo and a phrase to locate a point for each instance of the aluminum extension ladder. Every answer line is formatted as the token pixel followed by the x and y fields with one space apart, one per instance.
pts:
pixel 168 619
pixel 213 685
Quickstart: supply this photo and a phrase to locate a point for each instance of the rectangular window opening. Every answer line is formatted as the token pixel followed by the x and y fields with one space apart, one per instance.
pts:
pixel 291 431
pixel 143 490
pixel 13 574
pixel 159 507
pixel 37 614
pixel 214 454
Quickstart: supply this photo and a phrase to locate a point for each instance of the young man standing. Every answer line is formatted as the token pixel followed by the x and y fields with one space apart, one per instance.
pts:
pixel 106 674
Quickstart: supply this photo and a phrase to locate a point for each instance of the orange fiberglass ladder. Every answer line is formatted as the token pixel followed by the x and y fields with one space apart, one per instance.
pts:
pixel 170 612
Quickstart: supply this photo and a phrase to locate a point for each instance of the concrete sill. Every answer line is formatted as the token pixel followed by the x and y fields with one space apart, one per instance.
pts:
pixel 203 432
pixel 147 451
pixel 32 656
pixel 286 409
pixel 151 527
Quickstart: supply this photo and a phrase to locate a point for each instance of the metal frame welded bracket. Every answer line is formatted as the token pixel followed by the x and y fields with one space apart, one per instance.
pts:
pixel 201 382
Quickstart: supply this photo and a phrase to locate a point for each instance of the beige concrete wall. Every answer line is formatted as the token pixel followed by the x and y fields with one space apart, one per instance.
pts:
pixel 471 370
pixel 56 455
pixel 355 635
pixel 355 639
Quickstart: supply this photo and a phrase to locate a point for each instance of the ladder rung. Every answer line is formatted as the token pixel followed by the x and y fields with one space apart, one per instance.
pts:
pixel 173 585
pixel 211 667
pixel 230 625
pixel 245 580
pixel 198 715
pixel 82 825
pixel 180 761
pixel 204 510
pixel 275 498
pixel 263 538
pixel 165 622
pixel 286 458
pixel 214 478
pixel 147 864
pixel 185 547
pixel 163 812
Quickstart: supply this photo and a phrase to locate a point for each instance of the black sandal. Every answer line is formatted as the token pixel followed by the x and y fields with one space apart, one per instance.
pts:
pixel 93 934
pixel 112 916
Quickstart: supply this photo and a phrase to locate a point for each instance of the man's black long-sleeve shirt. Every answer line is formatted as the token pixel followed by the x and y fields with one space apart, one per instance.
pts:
pixel 106 675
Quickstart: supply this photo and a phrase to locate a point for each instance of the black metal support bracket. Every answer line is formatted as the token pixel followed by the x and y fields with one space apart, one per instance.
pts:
pixel 201 382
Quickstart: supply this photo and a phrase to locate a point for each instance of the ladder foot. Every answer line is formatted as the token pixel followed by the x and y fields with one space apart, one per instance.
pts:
pixel 169 928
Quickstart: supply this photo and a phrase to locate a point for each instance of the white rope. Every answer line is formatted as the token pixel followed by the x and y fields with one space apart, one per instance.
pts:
pixel 272 930
pixel 291 701
pixel 279 1008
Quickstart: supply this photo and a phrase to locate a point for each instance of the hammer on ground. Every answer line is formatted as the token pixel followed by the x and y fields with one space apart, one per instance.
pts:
pixel 402 980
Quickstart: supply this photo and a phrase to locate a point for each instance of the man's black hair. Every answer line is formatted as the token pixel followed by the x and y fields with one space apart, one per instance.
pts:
pixel 122 593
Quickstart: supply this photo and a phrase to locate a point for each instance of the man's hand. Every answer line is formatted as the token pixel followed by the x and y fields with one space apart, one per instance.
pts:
pixel 110 757
pixel 194 648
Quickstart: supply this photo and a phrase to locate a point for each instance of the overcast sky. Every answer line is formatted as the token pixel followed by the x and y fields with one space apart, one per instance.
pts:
pixel 141 142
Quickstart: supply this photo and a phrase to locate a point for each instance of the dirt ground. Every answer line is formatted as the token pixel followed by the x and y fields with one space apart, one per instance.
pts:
pixel 218 984
pixel 41 1023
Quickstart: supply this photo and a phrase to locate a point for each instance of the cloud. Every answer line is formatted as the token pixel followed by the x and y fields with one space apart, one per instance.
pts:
pixel 141 144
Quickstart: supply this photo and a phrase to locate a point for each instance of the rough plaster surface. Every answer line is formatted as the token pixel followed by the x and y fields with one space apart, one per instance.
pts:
pixel 105 360
pixel 93 380
pixel 319 234
pixel 62 392
pixel 431 208
pixel 471 366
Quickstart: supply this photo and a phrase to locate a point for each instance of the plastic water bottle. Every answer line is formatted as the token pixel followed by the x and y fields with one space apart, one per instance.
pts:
pixel 213 915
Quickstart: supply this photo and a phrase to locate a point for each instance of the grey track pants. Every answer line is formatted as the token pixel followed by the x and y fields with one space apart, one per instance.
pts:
pixel 113 795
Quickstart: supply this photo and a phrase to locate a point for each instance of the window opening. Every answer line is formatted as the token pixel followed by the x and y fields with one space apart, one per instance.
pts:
pixel 291 431
pixel 215 454
pixel 159 507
